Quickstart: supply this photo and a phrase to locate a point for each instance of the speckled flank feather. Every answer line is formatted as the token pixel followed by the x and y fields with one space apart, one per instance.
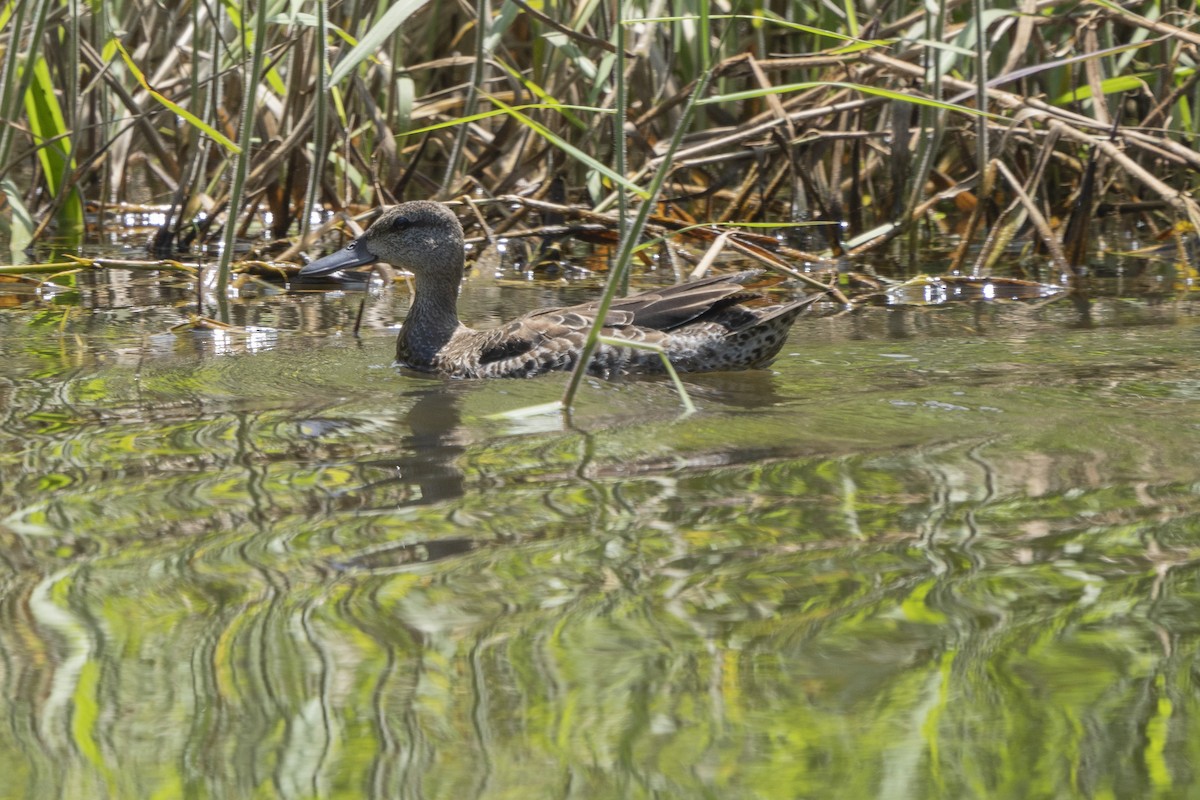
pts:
pixel 731 340
pixel 702 326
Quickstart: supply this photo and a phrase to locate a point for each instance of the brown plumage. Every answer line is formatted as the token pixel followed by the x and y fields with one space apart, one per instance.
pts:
pixel 702 326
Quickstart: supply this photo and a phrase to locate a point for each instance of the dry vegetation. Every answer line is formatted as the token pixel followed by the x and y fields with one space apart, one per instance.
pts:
pixel 867 117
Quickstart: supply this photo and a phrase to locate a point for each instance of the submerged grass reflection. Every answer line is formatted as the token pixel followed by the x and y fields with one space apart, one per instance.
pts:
pixel 688 648
pixel 927 556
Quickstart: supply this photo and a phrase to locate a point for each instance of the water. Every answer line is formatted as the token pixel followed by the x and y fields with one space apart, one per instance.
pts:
pixel 942 552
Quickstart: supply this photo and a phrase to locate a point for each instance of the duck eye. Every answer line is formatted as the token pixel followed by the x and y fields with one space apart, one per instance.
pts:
pixel 400 223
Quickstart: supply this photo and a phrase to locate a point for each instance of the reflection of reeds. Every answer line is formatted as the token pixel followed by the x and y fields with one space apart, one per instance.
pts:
pixel 360 103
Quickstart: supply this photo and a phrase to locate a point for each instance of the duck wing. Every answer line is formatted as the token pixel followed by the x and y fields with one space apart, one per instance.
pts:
pixel 675 306
pixel 555 329
pixel 550 330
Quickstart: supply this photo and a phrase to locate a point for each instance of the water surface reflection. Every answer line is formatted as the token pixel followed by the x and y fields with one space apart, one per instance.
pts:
pixel 929 555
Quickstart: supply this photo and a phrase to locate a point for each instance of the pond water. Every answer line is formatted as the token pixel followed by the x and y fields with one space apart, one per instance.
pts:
pixel 932 552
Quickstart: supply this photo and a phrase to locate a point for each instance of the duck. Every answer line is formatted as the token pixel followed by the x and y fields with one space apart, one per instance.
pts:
pixel 701 326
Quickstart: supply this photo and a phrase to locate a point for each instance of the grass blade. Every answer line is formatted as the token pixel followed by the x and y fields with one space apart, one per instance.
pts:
pixel 751 94
pixel 50 134
pixel 241 160
pixel 629 243
pixel 19 224
pixel 374 38
pixel 174 107
pixel 570 149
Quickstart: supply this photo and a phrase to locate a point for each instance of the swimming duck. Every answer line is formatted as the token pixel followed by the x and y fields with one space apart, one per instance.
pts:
pixel 702 326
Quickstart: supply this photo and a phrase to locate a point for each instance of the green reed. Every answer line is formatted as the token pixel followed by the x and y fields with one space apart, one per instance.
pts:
pixel 241 158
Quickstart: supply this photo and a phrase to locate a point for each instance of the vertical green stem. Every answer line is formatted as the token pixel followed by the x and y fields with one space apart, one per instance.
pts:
pixel 199 101
pixel 71 215
pixel 241 161
pixel 483 25
pixel 851 17
pixel 71 112
pixel 932 121
pixel 10 82
pixel 619 119
pixel 625 255
pixel 981 80
pixel 319 125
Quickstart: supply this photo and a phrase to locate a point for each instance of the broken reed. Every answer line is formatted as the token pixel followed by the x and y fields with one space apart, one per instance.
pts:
pixel 815 111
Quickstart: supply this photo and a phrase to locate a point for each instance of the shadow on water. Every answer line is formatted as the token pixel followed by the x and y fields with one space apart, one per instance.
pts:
pixel 931 553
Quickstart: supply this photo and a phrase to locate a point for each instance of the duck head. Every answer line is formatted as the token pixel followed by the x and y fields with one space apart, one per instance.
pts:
pixel 420 236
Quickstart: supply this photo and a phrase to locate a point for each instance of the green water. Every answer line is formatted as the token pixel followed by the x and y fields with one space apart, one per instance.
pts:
pixel 947 552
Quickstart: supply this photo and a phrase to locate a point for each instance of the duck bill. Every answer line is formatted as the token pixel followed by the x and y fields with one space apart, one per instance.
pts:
pixel 355 254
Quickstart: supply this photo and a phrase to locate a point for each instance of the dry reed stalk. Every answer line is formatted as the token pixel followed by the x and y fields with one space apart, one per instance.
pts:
pixel 331 122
